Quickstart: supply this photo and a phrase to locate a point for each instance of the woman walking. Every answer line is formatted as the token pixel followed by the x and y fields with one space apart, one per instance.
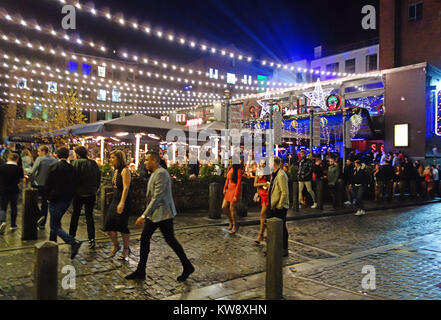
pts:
pixel 117 218
pixel 231 195
pixel 262 183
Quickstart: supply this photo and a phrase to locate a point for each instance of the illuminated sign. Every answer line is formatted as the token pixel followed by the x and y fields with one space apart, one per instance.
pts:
pixel 180 118
pixel 231 78
pixel 401 135
pixel 438 115
pixel 194 122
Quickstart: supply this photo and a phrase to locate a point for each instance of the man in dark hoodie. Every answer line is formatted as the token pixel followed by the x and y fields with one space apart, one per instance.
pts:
pixel 88 180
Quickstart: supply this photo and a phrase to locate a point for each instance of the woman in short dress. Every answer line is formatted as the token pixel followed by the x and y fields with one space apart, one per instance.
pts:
pixel 262 183
pixel 117 218
pixel 231 196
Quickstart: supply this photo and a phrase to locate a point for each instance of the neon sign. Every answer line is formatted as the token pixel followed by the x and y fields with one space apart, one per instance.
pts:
pixel 438 115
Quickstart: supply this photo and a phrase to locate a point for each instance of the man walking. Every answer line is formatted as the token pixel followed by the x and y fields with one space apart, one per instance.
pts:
pixel 60 186
pixel 88 180
pixel 360 181
pixel 38 179
pixel 10 176
pixel 305 177
pixel 279 202
pixel 348 173
pixel 159 213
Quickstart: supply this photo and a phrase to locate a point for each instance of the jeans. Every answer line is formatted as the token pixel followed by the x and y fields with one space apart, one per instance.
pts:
pixel 358 193
pixel 167 231
pixel 281 214
pixel 78 203
pixel 44 203
pixel 57 210
pixel 9 198
pixel 309 188
pixel 333 194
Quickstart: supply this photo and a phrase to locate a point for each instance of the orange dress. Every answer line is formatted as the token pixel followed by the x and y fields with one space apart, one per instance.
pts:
pixel 232 189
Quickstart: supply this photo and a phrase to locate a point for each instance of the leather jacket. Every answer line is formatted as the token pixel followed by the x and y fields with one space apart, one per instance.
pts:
pixel 305 170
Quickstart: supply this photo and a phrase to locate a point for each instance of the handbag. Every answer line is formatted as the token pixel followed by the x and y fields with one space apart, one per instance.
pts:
pixel 256 197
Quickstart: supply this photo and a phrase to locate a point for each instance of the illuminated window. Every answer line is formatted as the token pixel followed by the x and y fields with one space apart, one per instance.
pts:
pixel 438 115
pixel 51 87
pixel 86 69
pixel 22 83
pixel 231 78
pixel 101 95
pixel 73 66
pixel 101 71
pixel 116 95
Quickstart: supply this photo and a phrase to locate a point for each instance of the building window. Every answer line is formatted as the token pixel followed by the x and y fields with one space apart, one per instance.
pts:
pixel 51 87
pixel 350 66
pixel 299 77
pixel 101 71
pixel 332 67
pixel 86 69
pixel 115 115
pixel 100 115
pixel 415 11
pixel 101 95
pixel 316 74
pixel 116 95
pixel 371 62
pixel 73 66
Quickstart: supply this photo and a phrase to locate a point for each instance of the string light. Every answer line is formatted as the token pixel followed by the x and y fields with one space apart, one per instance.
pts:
pixel 49 31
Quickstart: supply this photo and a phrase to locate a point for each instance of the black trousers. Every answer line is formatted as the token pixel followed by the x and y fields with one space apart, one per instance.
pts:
pixel 333 194
pixel 167 231
pixel 78 203
pixel 281 214
pixel 11 199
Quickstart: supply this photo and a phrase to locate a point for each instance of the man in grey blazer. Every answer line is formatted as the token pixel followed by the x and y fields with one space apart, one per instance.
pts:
pixel 279 199
pixel 159 213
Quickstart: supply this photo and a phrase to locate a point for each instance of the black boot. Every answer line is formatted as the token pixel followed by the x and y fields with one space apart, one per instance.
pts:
pixel 188 270
pixel 138 274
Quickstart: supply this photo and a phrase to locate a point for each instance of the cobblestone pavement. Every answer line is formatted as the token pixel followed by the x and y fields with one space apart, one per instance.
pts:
pixel 328 255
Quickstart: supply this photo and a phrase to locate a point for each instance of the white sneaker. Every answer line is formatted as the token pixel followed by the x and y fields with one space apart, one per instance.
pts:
pixel 358 213
pixel 362 212
pixel 13 228
pixel 348 203
pixel 314 206
pixel 2 227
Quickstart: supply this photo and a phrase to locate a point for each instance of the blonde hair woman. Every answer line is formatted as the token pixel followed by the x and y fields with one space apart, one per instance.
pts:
pixel 117 218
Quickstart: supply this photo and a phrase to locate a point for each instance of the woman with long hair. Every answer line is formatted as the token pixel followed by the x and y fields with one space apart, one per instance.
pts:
pixel 262 183
pixel 396 179
pixel 429 181
pixel 117 218
pixel 231 195
pixel 379 182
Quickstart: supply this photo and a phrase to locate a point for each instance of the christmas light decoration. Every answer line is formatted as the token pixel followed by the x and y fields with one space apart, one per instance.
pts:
pixel 318 96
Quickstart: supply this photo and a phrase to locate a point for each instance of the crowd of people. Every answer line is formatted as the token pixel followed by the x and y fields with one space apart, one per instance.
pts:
pixel 66 178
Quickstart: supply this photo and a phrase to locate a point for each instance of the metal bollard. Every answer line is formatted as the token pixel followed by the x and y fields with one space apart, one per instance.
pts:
pixel 46 271
pixel 106 198
pixel 30 214
pixel 295 195
pixel 274 276
pixel 319 188
pixel 214 201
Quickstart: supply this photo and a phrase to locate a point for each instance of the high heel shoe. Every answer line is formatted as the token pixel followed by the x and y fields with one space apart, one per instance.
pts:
pixel 114 251
pixel 123 257
pixel 259 239
pixel 234 231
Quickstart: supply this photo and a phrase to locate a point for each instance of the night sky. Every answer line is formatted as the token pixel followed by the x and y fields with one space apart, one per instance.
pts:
pixel 279 30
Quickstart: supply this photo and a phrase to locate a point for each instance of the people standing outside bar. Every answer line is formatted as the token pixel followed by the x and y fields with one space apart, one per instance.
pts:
pixel 359 183
pixel 27 160
pixel 435 172
pixel 262 183
pixel 396 179
pixel 10 177
pixel 378 183
pixel 348 174
pixel 231 195
pixel 279 199
pixel 305 178
pixel 333 176
pixel 388 172
pixel 38 179
pixel 59 188
pixel 117 217
pixel 159 213
pixel 88 178
pixel 429 181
